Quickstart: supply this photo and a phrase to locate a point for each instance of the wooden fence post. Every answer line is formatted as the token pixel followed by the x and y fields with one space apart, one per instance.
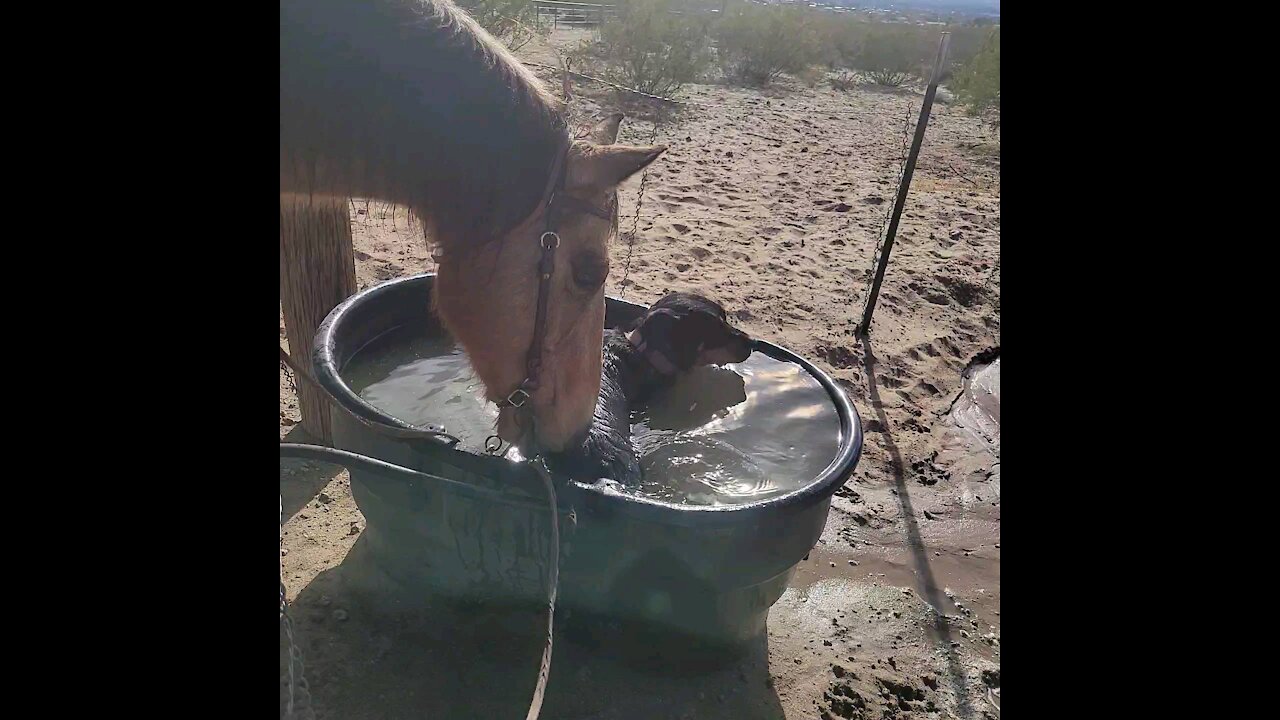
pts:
pixel 317 272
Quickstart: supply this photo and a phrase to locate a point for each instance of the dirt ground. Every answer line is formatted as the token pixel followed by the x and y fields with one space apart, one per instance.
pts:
pixel 772 202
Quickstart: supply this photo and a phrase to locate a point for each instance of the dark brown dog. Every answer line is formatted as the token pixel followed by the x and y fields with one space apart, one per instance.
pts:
pixel 678 333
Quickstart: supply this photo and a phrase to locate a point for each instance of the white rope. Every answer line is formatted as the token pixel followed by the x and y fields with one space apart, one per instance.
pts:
pixel 544 671
pixel 298 681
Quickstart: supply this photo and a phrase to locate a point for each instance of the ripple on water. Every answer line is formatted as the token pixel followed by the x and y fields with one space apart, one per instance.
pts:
pixel 727 435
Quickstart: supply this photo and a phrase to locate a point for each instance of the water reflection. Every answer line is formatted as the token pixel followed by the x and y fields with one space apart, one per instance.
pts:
pixel 719 436
pixel 424 380
pixel 736 434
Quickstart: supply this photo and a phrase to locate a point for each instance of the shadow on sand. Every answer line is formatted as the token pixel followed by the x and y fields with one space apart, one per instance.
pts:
pixel 301 480
pixel 367 658
pixel 915 542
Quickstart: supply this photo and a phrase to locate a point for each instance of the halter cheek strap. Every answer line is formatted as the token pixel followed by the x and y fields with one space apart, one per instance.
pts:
pixel 554 202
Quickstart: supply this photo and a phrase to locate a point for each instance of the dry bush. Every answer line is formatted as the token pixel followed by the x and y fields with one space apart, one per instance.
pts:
pixel 842 39
pixel 511 21
pixel 892 55
pixel 810 75
pixel 646 47
pixel 757 44
pixel 844 82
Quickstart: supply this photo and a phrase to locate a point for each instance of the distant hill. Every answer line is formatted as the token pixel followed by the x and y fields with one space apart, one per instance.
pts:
pixel 977 7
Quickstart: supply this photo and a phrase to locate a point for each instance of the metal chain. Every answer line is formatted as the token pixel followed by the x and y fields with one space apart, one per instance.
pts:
pixel 298 688
pixel 884 221
pixel 300 705
pixel 653 138
pixel 288 375
pixel 635 220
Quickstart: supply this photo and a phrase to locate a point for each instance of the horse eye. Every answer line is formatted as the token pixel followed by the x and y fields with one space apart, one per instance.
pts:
pixel 589 270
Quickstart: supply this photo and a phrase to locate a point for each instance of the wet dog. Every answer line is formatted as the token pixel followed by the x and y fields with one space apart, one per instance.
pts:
pixel 678 333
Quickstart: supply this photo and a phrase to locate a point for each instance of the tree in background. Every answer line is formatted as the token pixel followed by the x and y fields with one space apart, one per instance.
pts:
pixel 977 84
pixel 647 47
pixel 757 44
pixel 893 55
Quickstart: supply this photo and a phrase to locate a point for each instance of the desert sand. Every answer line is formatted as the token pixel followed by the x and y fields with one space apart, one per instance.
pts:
pixel 771 201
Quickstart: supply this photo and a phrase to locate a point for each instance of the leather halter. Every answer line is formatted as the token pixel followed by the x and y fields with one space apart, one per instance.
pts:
pixel 555 203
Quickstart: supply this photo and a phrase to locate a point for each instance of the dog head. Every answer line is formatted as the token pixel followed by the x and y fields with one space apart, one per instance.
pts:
pixel 685 330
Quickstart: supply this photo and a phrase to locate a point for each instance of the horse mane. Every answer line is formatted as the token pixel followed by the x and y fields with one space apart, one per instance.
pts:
pixel 412 102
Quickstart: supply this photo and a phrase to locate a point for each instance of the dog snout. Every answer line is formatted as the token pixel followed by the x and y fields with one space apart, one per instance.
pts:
pixel 746 346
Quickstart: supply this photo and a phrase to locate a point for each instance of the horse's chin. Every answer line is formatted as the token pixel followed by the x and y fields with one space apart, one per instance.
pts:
pixel 511 431
pixel 513 428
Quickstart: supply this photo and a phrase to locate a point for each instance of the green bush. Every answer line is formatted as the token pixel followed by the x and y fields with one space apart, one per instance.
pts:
pixel 648 48
pixel 966 41
pixel 757 44
pixel 893 55
pixel 842 37
pixel 977 84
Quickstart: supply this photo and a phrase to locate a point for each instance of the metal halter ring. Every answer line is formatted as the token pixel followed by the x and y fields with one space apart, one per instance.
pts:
pixel 523 397
pixel 553 234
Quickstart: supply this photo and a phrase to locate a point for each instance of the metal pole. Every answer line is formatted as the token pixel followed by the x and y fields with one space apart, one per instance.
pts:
pixel 865 325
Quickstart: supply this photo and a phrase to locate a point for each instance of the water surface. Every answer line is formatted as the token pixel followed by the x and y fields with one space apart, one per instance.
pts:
pixel 721 435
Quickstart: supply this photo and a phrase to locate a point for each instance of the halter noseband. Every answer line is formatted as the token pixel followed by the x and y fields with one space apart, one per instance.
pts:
pixel 554 203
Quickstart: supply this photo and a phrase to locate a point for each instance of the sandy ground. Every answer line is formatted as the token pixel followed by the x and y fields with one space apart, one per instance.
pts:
pixel 772 202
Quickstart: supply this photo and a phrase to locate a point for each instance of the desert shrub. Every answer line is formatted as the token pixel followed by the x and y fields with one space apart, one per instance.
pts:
pixel 844 81
pixel 977 84
pixel 810 75
pixel 842 39
pixel 511 21
pixel 894 52
pixel 893 55
pixel 648 48
pixel 757 44
pixel 966 41
pixel 828 36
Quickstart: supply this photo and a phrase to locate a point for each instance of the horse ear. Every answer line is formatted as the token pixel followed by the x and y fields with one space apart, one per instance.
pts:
pixel 606 131
pixel 606 166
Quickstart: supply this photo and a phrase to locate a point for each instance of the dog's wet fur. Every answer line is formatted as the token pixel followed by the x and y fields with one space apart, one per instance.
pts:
pixel 678 333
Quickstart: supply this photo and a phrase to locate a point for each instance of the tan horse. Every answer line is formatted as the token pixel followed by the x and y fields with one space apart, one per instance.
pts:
pixel 411 102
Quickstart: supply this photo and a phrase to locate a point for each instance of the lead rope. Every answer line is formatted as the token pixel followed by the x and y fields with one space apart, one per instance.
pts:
pixel 298 688
pixel 553 582
pixel 546 266
pixel 550 242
